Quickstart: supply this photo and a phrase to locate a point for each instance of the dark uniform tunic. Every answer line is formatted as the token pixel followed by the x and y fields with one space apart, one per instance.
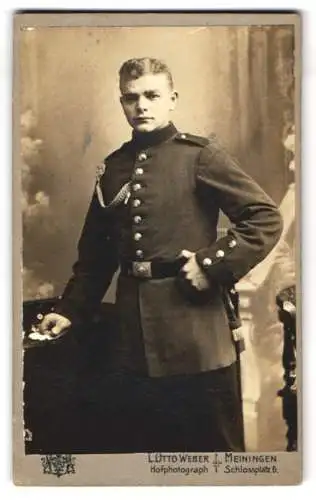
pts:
pixel 179 183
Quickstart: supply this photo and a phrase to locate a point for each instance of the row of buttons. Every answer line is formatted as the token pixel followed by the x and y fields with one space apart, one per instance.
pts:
pixel 207 262
pixel 137 218
pixel 137 203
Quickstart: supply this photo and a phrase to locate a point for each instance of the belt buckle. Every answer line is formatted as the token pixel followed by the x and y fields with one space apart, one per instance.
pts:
pixel 141 269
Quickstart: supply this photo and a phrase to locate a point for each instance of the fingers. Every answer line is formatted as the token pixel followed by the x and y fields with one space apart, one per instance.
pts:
pixel 54 325
pixel 46 324
pixel 186 256
pixel 60 327
pixel 186 253
pixel 56 330
pixel 191 271
pixel 200 283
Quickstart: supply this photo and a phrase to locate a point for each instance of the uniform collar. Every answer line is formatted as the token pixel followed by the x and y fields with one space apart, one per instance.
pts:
pixel 144 140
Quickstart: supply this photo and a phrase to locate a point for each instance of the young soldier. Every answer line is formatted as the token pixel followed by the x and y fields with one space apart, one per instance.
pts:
pixel 154 213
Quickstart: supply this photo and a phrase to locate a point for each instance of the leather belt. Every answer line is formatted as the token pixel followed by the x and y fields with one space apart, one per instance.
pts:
pixel 152 269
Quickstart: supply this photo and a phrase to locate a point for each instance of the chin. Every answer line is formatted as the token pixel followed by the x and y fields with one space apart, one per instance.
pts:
pixel 144 127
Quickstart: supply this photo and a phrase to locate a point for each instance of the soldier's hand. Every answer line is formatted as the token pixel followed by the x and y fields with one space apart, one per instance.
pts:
pixel 54 325
pixel 193 273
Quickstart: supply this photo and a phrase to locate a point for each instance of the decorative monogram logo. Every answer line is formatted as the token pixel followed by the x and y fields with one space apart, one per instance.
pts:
pixel 58 465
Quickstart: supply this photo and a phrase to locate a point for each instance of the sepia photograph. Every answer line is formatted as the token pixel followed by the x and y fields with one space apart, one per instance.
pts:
pixel 157 249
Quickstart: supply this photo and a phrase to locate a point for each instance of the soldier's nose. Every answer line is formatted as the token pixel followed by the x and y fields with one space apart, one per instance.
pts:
pixel 142 104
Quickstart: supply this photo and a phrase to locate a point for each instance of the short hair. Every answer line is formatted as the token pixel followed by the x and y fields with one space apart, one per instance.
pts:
pixel 134 68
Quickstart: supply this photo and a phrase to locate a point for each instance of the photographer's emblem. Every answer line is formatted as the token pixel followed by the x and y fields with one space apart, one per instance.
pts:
pixel 58 465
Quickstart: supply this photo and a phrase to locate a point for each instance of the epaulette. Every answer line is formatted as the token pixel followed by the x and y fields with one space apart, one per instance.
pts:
pixel 194 139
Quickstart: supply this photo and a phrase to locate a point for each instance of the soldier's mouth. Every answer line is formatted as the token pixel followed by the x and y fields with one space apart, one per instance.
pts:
pixel 143 119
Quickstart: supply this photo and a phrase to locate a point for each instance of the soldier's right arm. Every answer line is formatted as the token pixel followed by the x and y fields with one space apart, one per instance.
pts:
pixel 95 267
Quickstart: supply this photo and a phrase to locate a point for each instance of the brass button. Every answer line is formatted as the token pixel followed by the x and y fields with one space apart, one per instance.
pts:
pixel 139 253
pixel 232 243
pixel 220 253
pixel 139 171
pixel 136 203
pixel 141 269
pixel 136 187
pixel 137 236
pixel 207 262
pixel 142 157
pixel 137 219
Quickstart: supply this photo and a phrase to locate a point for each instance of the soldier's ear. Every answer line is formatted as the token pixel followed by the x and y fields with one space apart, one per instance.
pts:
pixel 174 98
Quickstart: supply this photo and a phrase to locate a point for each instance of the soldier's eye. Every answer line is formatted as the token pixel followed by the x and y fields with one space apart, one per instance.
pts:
pixel 129 98
pixel 152 96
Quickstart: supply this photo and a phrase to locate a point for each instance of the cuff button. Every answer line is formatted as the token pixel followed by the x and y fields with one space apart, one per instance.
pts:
pixel 232 243
pixel 207 262
pixel 220 253
pixel 142 156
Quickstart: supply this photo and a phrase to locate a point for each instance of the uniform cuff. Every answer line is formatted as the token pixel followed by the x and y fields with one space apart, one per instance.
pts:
pixel 213 261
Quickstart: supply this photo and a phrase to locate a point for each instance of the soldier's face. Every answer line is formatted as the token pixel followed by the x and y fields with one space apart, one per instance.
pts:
pixel 148 101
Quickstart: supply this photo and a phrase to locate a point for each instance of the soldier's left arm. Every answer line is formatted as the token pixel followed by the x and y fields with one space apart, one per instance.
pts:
pixel 256 221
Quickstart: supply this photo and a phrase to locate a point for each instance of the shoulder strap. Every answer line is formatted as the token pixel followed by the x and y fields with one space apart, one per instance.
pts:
pixel 195 139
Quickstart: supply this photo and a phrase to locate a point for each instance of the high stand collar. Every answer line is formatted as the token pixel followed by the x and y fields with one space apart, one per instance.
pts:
pixel 143 140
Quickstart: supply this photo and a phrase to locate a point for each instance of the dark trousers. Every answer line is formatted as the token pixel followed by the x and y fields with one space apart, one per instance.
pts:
pixel 123 412
pixel 196 413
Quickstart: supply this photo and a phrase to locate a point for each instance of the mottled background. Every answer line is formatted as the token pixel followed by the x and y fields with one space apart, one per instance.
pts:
pixel 235 81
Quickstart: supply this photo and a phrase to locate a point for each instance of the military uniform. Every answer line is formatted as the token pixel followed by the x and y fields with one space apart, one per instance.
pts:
pixel 177 184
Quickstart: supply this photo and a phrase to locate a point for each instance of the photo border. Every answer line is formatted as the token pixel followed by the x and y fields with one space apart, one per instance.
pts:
pixel 129 470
